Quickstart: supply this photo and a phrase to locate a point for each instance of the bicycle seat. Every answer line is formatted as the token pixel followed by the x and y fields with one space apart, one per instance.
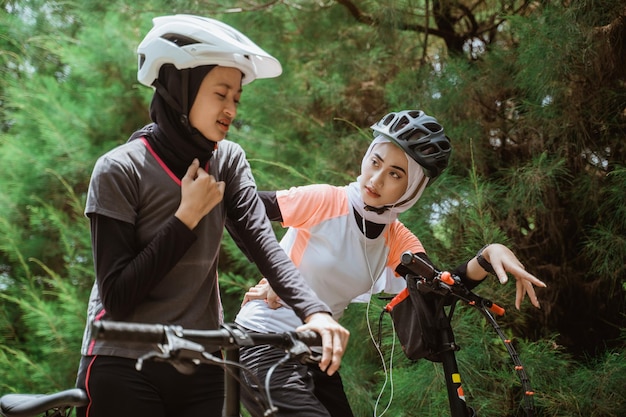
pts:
pixel 27 405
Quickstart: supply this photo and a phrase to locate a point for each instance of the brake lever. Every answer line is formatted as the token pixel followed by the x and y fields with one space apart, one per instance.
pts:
pixel 301 351
pixel 181 353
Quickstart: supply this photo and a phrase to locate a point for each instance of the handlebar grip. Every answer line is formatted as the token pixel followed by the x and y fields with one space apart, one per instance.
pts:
pixel 285 340
pixel 130 332
pixel 309 338
pixel 417 266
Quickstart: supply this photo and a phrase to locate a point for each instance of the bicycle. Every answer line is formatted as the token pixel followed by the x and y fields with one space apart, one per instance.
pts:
pixel 184 349
pixel 428 279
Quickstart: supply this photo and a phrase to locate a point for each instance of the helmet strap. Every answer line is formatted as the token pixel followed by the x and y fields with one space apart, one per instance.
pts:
pixel 185 101
pixel 162 91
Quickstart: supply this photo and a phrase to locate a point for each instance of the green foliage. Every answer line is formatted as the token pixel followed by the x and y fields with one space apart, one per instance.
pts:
pixel 41 345
pixel 562 386
pixel 534 112
pixel 606 246
pixel 592 389
pixel 43 313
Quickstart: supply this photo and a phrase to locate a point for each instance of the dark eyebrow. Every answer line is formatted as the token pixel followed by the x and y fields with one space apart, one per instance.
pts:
pixel 393 166
pixel 228 86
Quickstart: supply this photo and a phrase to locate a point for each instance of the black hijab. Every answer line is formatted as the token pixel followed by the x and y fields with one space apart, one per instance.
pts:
pixel 171 136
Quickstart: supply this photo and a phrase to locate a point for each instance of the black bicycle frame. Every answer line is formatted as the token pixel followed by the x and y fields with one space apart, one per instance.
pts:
pixel 448 347
pixel 232 406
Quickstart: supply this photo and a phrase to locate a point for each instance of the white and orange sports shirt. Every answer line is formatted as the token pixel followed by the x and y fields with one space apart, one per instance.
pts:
pixel 338 261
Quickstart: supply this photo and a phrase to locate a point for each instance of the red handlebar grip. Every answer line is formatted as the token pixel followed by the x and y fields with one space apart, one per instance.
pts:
pixel 497 309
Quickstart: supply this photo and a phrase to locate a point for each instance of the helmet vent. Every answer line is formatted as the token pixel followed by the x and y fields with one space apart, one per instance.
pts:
pixel 433 127
pixel 179 39
pixel 401 124
pixel 429 149
pixel 415 113
pixel 388 119
pixel 412 135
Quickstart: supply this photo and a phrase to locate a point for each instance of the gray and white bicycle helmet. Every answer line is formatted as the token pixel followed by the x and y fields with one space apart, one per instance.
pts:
pixel 420 135
pixel 188 41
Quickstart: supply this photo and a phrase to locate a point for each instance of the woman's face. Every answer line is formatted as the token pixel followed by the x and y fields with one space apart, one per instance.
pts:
pixel 215 105
pixel 384 175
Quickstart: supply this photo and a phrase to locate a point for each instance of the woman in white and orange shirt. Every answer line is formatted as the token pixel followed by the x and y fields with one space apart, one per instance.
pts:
pixel 347 241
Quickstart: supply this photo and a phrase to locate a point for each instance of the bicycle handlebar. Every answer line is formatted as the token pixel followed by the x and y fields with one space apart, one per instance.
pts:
pixel 229 336
pixel 443 282
pixel 175 343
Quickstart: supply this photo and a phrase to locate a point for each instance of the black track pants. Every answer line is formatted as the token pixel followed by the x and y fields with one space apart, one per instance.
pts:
pixel 296 389
pixel 116 388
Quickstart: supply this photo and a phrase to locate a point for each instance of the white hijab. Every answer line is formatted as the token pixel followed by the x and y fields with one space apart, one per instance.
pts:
pixel 416 184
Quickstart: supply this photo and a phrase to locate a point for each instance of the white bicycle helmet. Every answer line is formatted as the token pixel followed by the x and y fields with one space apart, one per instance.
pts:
pixel 188 41
pixel 420 135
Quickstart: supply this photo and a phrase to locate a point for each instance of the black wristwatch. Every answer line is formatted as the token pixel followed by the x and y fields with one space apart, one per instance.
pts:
pixel 483 262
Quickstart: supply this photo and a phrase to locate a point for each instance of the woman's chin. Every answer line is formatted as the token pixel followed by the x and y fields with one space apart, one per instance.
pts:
pixel 371 202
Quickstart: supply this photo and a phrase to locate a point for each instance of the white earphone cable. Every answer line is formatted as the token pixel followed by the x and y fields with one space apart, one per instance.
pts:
pixel 388 371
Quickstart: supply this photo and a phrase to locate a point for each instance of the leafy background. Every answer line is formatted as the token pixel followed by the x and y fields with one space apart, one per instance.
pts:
pixel 531 92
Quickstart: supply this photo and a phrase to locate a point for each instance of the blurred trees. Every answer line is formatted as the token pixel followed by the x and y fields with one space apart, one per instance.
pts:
pixel 531 93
